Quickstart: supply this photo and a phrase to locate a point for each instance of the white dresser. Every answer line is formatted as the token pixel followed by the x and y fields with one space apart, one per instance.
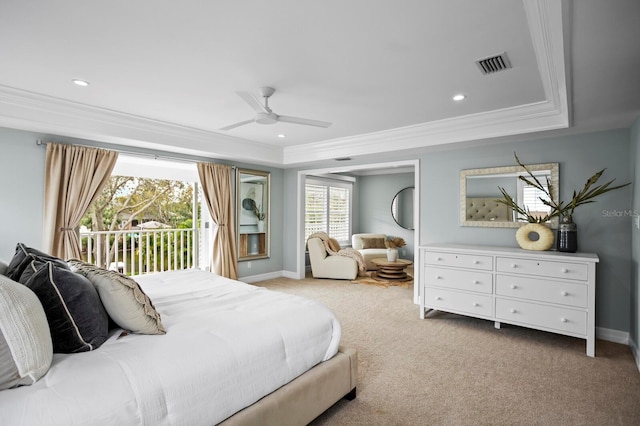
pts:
pixel 546 290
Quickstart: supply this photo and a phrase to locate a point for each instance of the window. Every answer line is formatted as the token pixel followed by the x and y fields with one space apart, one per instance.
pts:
pixel 530 197
pixel 328 208
pixel 148 218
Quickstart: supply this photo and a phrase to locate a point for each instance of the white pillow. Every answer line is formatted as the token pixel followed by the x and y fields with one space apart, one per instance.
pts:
pixel 26 350
pixel 123 299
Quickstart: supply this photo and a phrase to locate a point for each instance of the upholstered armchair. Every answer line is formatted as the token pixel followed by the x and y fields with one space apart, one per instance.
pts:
pixel 371 246
pixel 325 266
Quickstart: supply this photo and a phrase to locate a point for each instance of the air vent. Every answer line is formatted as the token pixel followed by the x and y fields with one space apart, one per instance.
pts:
pixel 494 64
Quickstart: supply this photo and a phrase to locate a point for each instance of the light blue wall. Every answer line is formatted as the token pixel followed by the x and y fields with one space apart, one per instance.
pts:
pixel 601 231
pixel 22 176
pixel 634 299
pixel 374 207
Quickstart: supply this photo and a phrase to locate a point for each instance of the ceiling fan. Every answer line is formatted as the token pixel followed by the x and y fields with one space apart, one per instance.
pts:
pixel 264 114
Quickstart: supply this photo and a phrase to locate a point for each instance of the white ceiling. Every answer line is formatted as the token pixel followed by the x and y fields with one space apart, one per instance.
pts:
pixel 164 74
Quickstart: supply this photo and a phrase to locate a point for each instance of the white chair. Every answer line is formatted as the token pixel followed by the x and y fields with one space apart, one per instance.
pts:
pixel 325 266
pixel 369 253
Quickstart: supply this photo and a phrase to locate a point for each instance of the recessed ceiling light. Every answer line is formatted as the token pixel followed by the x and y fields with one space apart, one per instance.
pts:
pixel 459 97
pixel 281 136
pixel 80 82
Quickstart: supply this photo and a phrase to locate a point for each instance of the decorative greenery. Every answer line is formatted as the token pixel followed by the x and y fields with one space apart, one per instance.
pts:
pixel 557 208
pixel 394 242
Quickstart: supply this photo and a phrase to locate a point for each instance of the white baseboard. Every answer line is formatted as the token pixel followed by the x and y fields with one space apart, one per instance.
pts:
pixel 290 274
pixel 615 336
pixel 261 277
pixel 635 352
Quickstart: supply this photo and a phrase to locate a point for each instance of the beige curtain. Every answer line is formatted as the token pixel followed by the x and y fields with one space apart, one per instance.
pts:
pixel 74 177
pixel 216 185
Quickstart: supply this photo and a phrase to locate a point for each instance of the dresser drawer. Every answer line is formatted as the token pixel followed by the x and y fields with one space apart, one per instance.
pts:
pixel 564 293
pixel 459 279
pixel 458 260
pixel 532 314
pixel 543 268
pixel 471 303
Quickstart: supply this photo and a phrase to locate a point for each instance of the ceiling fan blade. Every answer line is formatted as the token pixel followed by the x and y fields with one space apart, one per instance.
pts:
pixel 253 102
pixel 305 121
pixel 233 126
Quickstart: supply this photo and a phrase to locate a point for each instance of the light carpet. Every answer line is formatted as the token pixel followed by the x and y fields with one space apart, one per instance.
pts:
pixel 456 370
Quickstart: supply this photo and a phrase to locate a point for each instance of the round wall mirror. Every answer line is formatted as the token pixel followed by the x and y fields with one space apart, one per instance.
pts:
pixel 402 208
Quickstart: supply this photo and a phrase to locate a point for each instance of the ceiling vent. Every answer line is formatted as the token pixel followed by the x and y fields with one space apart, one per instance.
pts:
pixel 494 64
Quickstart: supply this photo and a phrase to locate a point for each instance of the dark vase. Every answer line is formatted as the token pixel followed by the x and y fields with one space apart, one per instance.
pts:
pixel 567 238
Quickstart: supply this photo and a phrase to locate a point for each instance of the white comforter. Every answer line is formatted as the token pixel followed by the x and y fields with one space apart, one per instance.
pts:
pixel 227 345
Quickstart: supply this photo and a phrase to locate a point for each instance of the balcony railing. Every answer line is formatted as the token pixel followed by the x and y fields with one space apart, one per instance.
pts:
pixel 141 251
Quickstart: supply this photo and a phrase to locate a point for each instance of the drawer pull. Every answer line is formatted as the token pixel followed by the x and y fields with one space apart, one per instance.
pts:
pixel 438 298
pixel 513 265
pixel 564 293
pixel 565 270
pixel 438 277
pixel 475 262
pixel 476 282
pixel 513 311
pixel 564 320
pixel 476 304
pixel 513 286
pixel 438 258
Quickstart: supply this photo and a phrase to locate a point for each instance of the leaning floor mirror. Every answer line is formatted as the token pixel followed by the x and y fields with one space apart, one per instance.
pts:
pixel 252 210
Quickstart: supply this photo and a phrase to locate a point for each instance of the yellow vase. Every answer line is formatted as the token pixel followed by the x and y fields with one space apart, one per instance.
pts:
pixel 526 237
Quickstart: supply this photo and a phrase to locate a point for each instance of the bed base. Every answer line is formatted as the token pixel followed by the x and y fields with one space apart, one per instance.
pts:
pixel 306 397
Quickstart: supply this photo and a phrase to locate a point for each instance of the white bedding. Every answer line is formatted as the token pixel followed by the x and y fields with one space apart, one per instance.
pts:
pixel 227 345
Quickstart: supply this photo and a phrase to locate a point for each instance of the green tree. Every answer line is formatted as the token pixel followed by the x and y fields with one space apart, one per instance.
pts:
pixel 125 199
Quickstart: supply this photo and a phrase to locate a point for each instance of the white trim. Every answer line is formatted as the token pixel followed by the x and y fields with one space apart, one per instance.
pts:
pixel 548 25
pixel 262 277
pixel 290 274
pixel 334 177
pixel 21 109
pixel 635 352
pixel 611 335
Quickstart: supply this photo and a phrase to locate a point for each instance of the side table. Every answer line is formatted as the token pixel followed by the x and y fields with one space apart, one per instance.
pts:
pixel 392 270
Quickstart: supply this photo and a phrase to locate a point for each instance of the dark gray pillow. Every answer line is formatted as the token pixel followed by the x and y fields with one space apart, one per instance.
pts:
pixel 76 317
pixel 33 266
pixel 23 257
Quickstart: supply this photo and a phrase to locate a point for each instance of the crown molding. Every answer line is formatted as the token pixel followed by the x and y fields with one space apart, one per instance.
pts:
pixel 547 21
pixel 546 24
pixel 31 111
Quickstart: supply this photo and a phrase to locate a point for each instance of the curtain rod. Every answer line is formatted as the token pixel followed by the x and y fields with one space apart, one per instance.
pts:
pixel 39 142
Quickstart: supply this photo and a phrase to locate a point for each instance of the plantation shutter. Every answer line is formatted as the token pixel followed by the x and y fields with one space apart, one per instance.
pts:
pixel 316 217
pixel 328 208
pixel 531 197
pixel 339 214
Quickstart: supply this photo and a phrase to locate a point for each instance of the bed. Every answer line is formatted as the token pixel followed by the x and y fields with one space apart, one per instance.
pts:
pixel 233 354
